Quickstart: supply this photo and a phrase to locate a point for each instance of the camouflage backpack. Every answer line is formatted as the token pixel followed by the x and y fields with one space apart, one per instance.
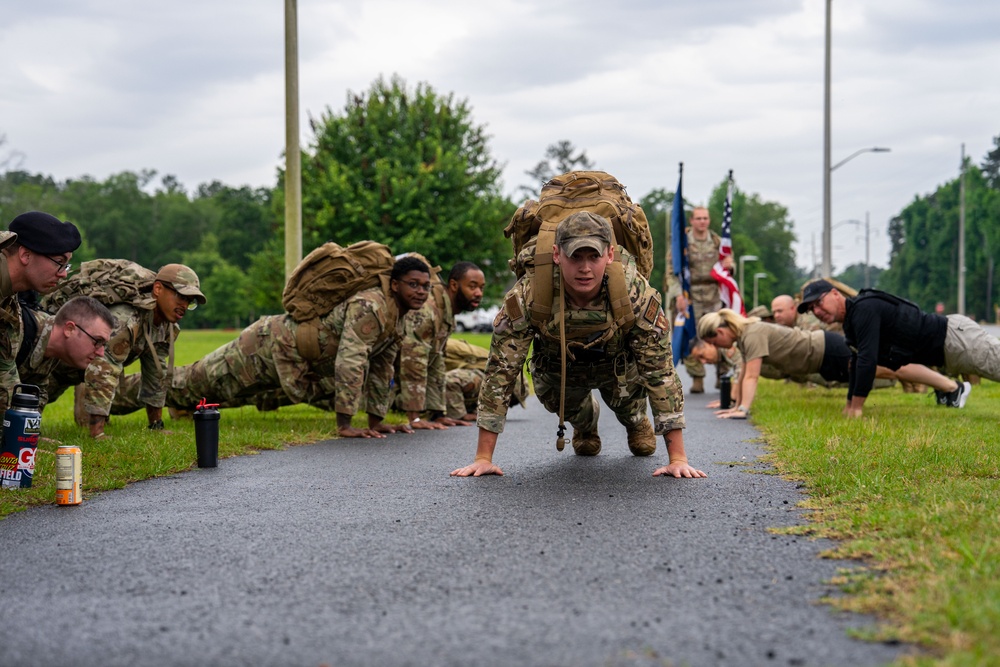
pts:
pixel 110 281
pixel 325 278
pixel 532 232
pixel 463 354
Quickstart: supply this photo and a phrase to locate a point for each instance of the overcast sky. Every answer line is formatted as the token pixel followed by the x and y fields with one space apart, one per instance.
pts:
pixel 195 89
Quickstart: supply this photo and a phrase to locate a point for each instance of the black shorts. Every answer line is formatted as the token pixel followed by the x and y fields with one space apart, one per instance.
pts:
pixel 836 358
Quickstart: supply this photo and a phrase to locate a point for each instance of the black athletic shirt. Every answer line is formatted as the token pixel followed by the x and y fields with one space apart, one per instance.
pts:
pixel 874 329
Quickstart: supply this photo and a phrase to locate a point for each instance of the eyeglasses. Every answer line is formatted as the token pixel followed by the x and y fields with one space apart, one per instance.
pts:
pixel 64 267
pixel 418 287
pixel 812 306
pixel 191 301
pixel 98 342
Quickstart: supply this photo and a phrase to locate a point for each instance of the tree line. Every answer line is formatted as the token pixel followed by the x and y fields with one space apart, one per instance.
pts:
pixel 923 263
pixel 411 168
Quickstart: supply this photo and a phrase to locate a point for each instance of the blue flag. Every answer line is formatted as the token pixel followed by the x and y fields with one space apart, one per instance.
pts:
pixel 686 331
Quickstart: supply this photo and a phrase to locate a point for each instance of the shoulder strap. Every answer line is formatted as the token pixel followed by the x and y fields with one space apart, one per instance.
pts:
pixel 30 323
pixel 541 302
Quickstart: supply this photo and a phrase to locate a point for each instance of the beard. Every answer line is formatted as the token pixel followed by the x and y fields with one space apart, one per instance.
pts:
pixel 464 303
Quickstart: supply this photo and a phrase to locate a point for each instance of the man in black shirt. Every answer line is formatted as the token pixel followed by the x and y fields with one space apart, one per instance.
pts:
pixel 885 330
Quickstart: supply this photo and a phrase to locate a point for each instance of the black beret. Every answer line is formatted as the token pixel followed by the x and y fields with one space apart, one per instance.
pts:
pixel 45 234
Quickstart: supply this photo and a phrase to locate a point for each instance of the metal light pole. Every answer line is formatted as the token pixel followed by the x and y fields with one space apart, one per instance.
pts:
pixel 827 229
pixel 756 276
pixel 745 258
pixel 867 244
pixel 961 237
pixel 293 156
pixel 827 233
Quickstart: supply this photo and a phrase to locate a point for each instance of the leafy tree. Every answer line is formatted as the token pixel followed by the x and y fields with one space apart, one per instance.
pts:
pixel 657 205
pixel 991 165
pixel 923 264
pixel 562 154
pixel 21 192
pixel 242 219
pixel 854 275
pixel 408 168
pixel 267 277
pixel 760 228
pixel 226 288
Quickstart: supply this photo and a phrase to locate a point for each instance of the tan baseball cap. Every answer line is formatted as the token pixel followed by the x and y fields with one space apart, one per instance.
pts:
pixel 183 279
pixel 584 230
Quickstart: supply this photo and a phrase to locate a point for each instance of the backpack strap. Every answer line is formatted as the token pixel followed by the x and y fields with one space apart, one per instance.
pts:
pixel 541 303
pixel 30 323
pixel 621 304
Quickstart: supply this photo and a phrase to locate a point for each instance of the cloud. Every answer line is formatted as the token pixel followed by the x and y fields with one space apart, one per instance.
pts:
pixel 196 89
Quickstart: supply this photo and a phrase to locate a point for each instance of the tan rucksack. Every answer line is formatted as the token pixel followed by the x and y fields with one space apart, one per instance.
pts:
pixel 463 354
pixel 110 281
pixel 325 278
pixel 532 232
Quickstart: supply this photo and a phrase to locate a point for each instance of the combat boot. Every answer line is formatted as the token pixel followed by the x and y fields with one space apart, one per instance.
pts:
pixel 698 386
pixel 642 438
pixel 586 444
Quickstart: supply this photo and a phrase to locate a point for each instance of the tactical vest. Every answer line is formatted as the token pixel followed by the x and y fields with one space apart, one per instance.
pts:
pixel 906 325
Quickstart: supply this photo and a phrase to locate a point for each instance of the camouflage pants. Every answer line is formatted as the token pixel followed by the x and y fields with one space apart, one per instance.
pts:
pixel 126 399
pixel 616 380
pixel 231 375
pixel 462 391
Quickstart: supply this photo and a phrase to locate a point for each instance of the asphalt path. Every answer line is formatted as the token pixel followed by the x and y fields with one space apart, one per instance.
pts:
pixel 366 552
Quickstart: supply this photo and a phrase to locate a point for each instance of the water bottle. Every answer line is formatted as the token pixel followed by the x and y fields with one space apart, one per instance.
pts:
pixel 206 433
pixel 22 424
pixel 725 392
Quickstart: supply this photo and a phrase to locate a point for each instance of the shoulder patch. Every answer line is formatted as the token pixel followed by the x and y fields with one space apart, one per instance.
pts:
pixel 652 311
pixel 512 306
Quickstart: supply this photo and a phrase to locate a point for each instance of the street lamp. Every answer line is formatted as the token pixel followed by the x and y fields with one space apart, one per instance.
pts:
pixel 827 230
pixel 745 258
pixel 755 277
pixel 867 243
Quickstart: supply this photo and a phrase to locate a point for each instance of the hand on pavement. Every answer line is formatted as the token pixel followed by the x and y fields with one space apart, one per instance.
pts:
pixel 478 469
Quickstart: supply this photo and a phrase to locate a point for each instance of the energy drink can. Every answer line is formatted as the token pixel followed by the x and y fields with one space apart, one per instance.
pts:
pixel 22 424
pixel 69 473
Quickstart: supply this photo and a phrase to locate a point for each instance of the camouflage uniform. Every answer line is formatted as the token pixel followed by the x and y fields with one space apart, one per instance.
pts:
pixel 705 295
pixel 358 341
pixel 10 335
pixel 465 366
pixel 462 391
pixel 136 337
pixel 38 369
pixel 421 376
pixel 630 366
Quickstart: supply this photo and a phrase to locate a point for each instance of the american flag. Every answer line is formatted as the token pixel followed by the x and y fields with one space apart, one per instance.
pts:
pixel 729 290
pixel 726 247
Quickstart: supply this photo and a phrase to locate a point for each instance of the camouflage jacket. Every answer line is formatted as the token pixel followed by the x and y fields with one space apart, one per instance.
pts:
pixel 421 374
pixel 135 337
pixel 702 256
pixel 358 340
pixel 38 369
pixel 11 333
pixel 647 342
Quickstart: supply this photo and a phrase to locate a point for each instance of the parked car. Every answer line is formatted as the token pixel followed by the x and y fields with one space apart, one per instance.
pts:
pixel 477 320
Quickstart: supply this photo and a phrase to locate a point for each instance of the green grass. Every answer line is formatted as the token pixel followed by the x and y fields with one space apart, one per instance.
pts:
pixel 912 489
